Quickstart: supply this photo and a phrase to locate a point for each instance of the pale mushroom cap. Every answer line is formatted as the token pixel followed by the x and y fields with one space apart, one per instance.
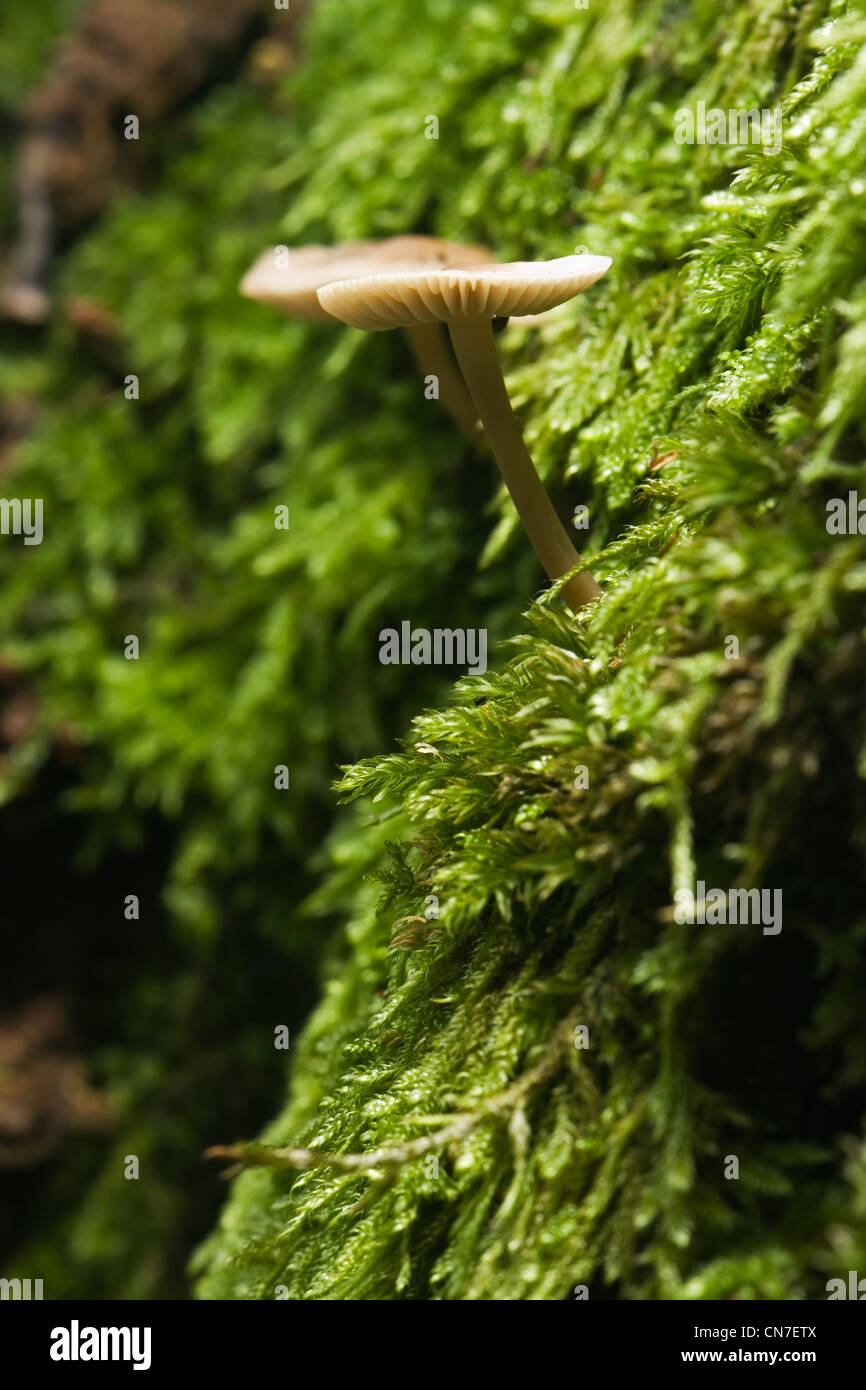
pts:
pixel 518 288
pixel 290 282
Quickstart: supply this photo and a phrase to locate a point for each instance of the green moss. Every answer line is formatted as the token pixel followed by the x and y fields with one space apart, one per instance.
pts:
pixel 721 335
pixel 727 337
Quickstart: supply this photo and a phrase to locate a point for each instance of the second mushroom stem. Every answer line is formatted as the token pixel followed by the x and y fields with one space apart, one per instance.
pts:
pixel 430 350
pixel 476 352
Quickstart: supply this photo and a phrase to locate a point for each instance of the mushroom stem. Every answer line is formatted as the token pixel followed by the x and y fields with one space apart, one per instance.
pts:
pixel 476 353
pixel 430 350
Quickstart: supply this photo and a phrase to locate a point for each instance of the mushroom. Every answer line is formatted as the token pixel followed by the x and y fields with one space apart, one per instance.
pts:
pixel 468 298
pixel 288 279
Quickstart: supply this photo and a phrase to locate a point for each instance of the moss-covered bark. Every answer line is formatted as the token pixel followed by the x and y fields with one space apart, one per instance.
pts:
pixel 704 401
pixel 709 399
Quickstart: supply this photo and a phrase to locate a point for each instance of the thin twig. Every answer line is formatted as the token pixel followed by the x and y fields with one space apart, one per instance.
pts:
pixel 255 1155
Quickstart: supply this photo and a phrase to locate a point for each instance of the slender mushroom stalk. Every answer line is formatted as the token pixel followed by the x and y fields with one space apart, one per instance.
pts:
pixel 479 363
pixel 430 350
pixel 468 299
pixel 289 279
